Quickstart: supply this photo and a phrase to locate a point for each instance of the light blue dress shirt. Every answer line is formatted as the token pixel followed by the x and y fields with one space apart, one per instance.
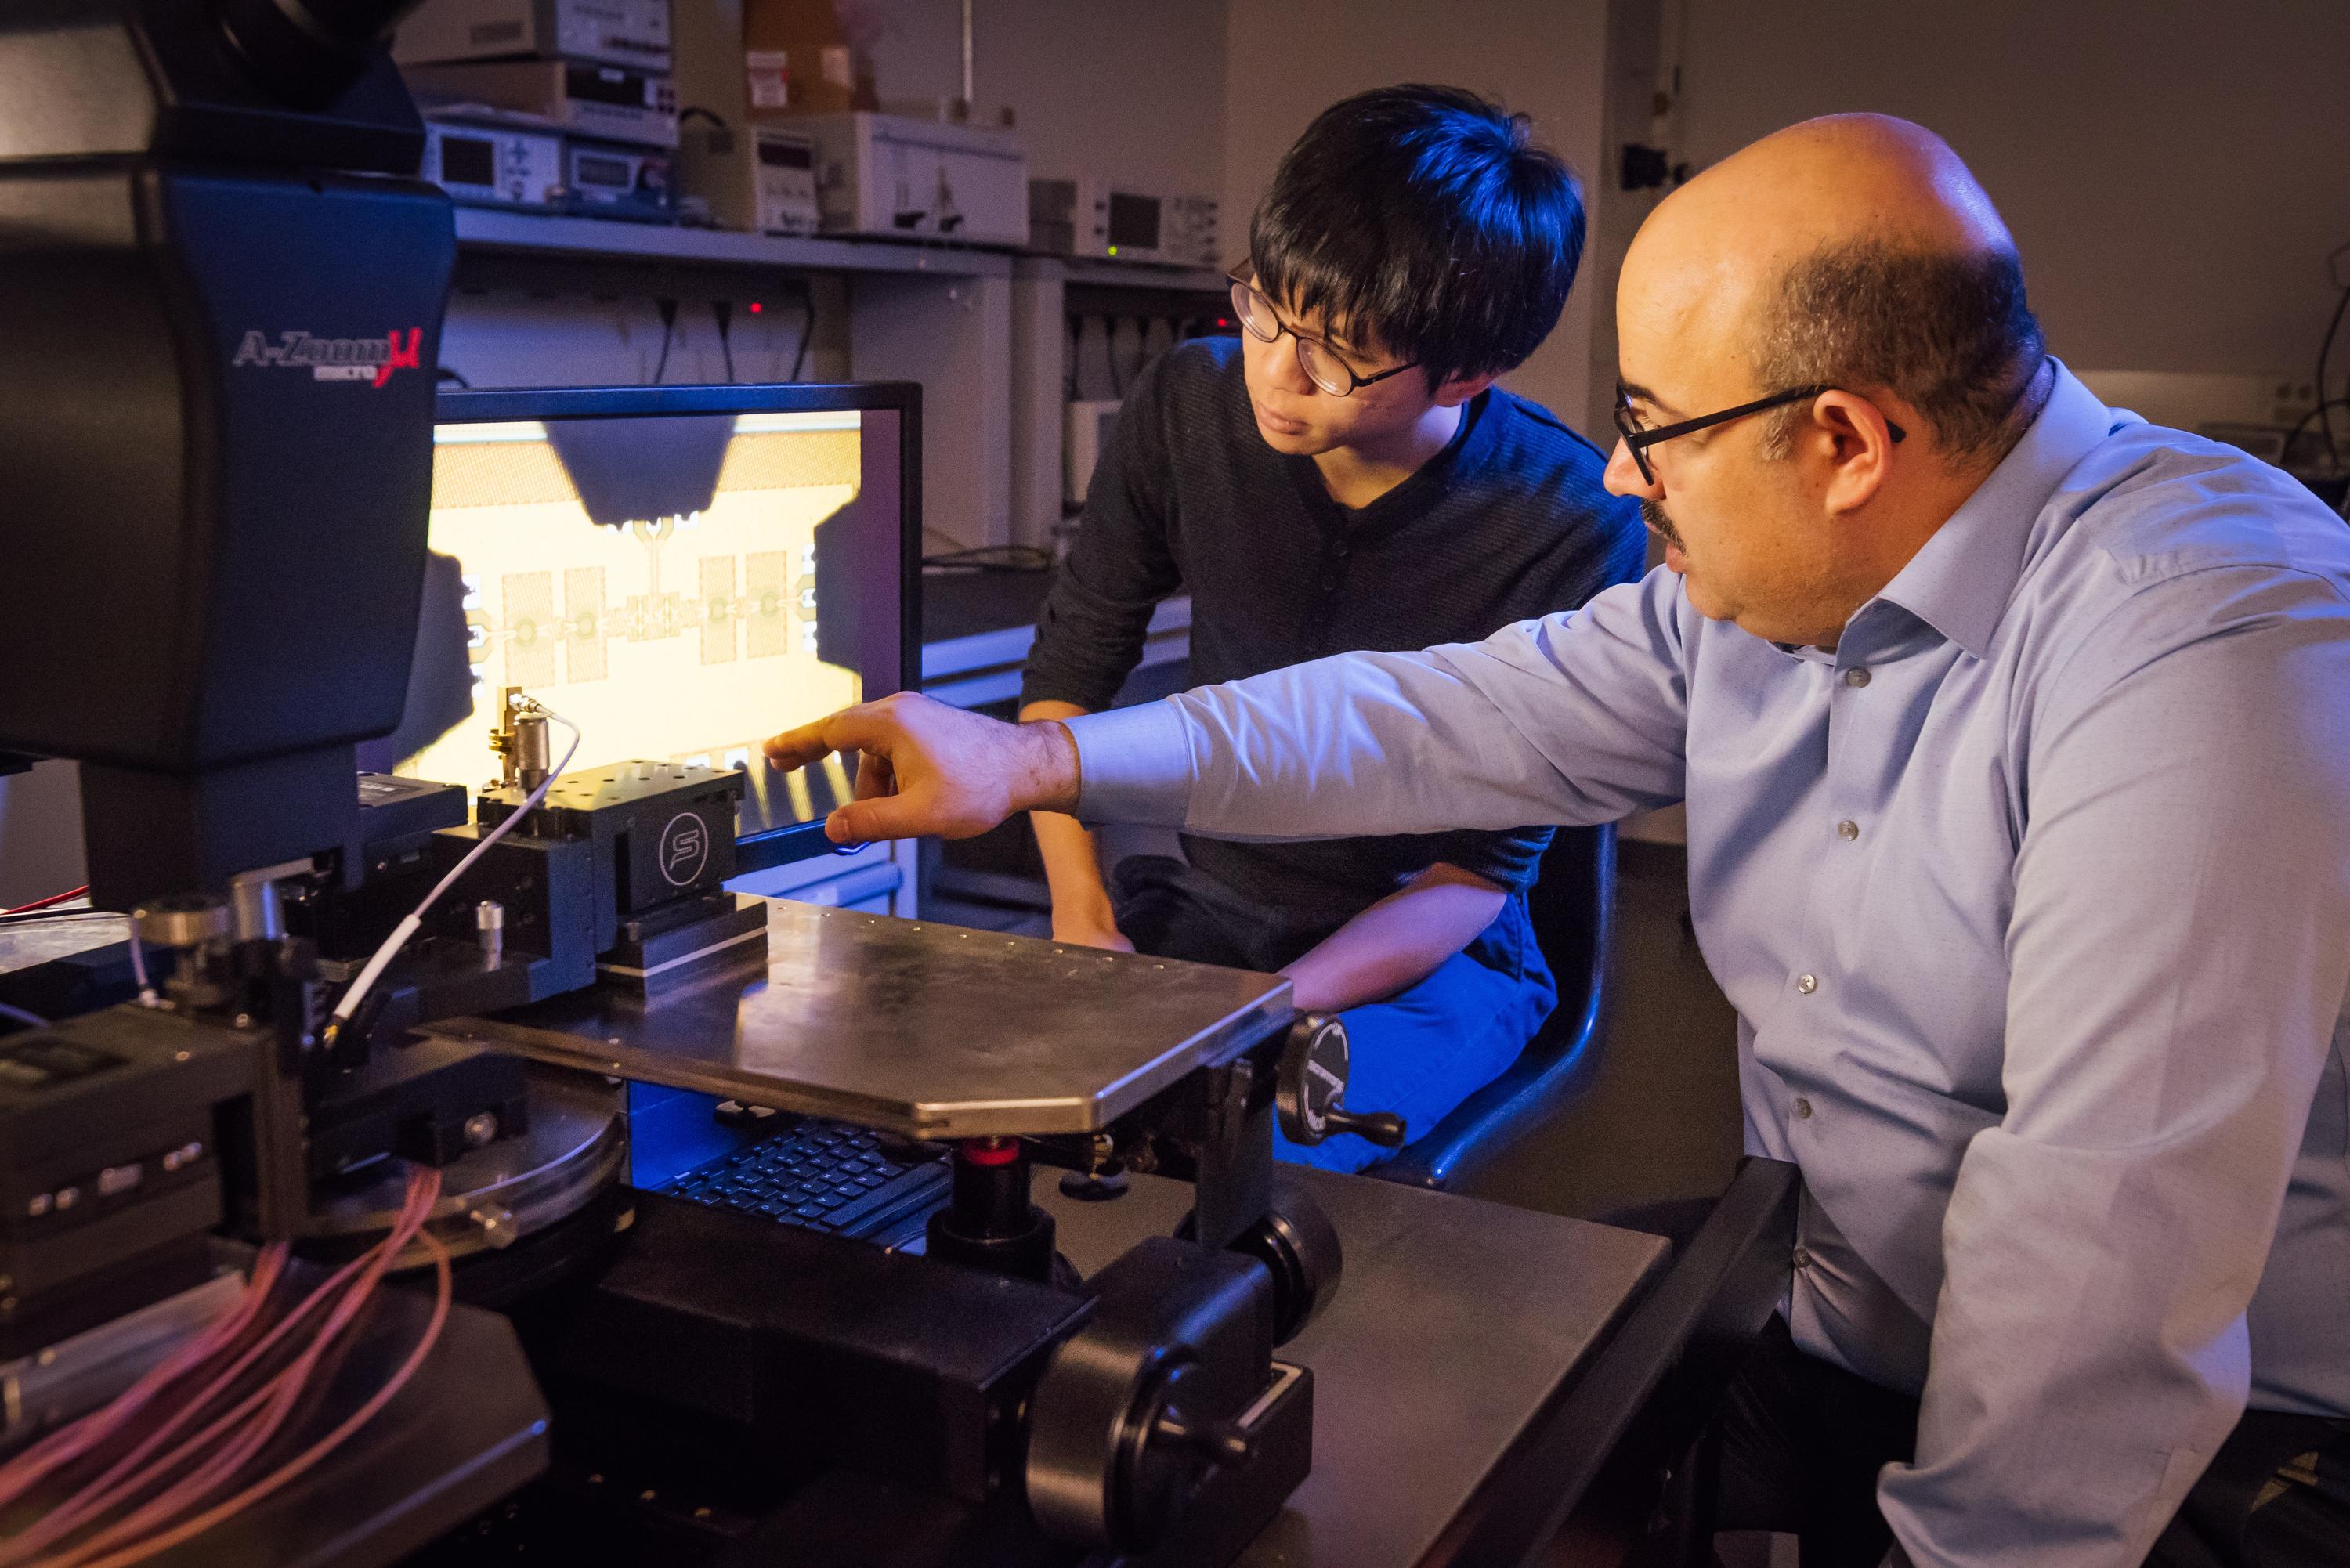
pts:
pixel 2033 900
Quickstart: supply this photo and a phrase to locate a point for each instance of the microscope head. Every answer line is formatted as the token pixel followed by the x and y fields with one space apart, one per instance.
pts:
pixel 223 324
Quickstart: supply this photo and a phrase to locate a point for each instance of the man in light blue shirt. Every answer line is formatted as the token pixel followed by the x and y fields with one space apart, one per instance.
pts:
pixel 2014 736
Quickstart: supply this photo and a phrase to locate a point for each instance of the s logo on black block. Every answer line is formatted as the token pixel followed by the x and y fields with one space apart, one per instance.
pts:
pixel 684 849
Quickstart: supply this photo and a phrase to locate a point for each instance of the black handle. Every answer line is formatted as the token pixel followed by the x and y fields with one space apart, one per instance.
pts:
pixel 1215 1442
pixel 1310 1088
pixel 1384 1128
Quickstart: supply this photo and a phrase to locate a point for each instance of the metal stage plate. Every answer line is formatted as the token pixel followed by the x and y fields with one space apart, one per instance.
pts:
pixel 911 1026
pixel 1455 1324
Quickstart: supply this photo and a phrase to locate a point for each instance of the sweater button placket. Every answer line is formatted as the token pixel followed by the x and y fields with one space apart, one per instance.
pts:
pixel 1317 625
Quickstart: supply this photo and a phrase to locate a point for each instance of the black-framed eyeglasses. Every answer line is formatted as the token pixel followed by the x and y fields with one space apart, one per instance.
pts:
pixel 1638 439
pixel 1321 363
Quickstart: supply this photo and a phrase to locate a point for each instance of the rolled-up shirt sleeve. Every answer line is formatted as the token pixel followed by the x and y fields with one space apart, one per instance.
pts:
pixel 2178 957
pixel 1572 719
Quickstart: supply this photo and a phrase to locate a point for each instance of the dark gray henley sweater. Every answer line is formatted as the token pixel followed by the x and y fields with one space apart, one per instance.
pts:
pixel 1511 521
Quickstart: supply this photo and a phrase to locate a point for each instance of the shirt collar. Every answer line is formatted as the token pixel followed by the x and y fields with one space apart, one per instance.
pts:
pixel 1961 581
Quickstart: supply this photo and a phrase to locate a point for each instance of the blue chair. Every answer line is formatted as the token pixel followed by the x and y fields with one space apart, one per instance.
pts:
pixel 1573 905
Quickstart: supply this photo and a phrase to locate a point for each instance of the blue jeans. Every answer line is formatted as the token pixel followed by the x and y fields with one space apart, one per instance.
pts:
pixel 1418 1054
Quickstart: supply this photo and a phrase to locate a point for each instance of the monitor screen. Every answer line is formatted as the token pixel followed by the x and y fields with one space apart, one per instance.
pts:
pixel 1133 220
pixel 682 572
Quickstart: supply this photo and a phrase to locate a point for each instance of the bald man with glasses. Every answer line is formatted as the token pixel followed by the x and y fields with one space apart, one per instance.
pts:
pixel 2014 734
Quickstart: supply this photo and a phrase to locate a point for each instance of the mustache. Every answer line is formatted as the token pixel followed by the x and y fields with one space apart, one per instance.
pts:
pixel 1653 515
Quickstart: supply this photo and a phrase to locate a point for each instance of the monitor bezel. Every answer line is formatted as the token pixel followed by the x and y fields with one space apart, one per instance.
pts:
pixel 799 841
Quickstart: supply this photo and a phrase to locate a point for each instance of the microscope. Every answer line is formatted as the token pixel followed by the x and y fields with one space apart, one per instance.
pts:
pixel 211 238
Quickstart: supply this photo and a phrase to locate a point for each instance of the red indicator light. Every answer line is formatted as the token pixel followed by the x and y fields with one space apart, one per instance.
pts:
pixel 757 308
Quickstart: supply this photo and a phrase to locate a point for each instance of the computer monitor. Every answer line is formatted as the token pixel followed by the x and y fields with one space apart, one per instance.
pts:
pixel 683 571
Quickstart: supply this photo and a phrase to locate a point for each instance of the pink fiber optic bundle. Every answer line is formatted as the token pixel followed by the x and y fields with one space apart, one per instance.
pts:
pixel 181 1449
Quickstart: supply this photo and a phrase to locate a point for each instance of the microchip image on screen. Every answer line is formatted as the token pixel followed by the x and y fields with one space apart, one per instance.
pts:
pixel 678 586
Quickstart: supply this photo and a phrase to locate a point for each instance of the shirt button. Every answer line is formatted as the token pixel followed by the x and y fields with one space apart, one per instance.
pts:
pixel 1339 548
pixel 1803 1109
pixel 1847 830
pixel 1855 676
pixel 1806 984
pixel 1329 581
pixel 1803 1258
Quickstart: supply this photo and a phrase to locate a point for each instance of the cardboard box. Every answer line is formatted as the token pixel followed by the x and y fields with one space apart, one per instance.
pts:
pixel 753 176
pixel 796 58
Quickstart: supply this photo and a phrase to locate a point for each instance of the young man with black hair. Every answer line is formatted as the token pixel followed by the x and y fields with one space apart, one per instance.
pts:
pixel 1346 476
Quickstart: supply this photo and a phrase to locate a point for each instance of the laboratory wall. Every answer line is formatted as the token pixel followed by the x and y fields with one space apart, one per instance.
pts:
pixel 1133 89
pixel 2175 172
pixel 1287 59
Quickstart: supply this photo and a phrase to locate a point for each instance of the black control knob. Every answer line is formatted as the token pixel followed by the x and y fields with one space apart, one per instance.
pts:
pixel 1299 1247
pixel 1144 1403
pixel 1310 1089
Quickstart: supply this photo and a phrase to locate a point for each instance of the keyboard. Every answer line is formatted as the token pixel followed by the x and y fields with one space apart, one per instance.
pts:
pixel 823 1176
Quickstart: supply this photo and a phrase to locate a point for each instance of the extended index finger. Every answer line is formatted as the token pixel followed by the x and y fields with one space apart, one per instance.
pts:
pixel 849 730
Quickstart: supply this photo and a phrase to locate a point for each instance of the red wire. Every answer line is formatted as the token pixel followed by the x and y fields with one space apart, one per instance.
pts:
pixel 293 1469
pixel 240 1434
pixel 71 1441
pixel 246 1429
pixel 278 1395
pixel 45 903
pixel 126 1474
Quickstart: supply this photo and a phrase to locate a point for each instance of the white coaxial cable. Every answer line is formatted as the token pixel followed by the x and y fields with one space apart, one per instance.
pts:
pixel 359 989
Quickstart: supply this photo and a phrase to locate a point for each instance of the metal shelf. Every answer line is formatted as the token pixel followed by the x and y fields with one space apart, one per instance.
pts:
pixel 489 228
pixel 1142 275
pixel 486 229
